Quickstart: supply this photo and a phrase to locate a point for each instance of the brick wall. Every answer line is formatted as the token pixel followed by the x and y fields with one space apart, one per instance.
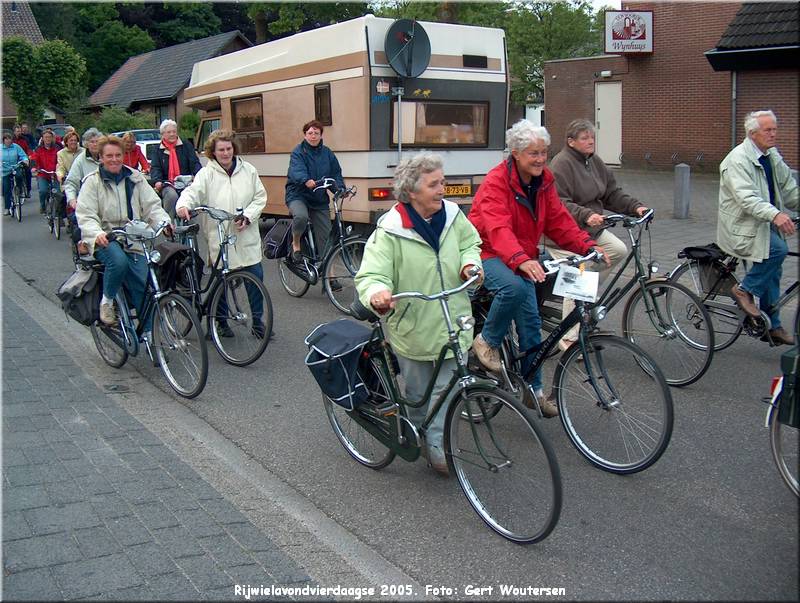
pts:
pixel 774 89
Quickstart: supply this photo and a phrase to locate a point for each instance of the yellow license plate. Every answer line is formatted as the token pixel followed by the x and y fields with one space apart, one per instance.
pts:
pixel 458 190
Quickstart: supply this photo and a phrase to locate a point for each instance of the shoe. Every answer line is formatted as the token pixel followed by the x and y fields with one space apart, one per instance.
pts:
pixel 335 285
pixel 564 344
pixel 745 301
pixel 8 212
pixel 258 330
pixel 549 406
pixel 297 257
pixel 436 461
pixel 779 336
pixel 488 356
pixel 224 329
pixel 42 210
pixel 108 315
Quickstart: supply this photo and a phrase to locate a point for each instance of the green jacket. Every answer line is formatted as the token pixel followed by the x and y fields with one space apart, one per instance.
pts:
pixel 745 213
pixel 398 259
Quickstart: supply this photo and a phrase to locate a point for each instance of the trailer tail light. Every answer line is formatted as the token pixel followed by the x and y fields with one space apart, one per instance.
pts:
pixel 381 194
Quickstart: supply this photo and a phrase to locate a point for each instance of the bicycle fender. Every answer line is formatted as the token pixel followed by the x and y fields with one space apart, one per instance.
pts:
pixel 659 279
pixel 773 402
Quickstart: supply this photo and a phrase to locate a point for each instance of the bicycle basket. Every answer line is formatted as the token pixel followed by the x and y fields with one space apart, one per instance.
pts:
pixel 277 242
pixel 334 352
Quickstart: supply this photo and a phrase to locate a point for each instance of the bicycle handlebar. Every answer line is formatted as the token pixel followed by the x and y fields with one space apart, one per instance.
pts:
pixel 475 275
pixel 628 221
pixel 551 266
pixel 330 183
pixel 220 215
pixel 145 233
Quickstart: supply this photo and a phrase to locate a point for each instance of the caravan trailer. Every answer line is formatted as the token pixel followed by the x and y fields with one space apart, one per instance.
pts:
pixel 341 75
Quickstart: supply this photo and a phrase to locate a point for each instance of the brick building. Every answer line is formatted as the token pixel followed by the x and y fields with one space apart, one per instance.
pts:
pixel 685 102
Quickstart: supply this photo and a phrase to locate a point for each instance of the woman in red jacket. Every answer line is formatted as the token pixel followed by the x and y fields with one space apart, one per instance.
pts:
pixel 516 204
pixel 46 158
pixel 132 155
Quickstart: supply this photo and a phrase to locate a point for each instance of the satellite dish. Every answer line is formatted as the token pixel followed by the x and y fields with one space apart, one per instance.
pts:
pixel 407 48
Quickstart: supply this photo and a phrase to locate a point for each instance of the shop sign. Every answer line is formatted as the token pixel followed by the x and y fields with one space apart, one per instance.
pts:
pixel 629 31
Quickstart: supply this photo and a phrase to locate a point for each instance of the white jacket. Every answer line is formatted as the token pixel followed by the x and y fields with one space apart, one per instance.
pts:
pixel 213 187
pixel 82 166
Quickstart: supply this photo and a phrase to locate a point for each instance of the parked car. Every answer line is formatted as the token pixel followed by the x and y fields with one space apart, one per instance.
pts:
pixel 58 129
pixel 146 139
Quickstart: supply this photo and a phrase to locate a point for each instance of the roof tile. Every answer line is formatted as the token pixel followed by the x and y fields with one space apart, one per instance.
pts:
pixel 18 20
pixel 761 25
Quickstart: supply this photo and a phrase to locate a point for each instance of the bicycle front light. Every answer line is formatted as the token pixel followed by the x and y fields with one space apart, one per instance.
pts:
pixel 348 230
pixel 155 256
pixel 653 267
pixel 232 239
pixel 599 313
pixel 465 323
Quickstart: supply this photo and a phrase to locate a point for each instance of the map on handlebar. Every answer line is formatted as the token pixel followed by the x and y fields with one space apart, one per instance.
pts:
pixel 576 283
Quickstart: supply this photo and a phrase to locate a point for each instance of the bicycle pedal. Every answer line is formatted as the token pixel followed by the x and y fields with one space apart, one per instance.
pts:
pixel 386 409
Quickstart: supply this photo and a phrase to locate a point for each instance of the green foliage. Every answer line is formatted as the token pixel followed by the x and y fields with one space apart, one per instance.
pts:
pixel 109 46
pixel 37 76
pixel 116 119
pixel 188 124
pixel 276 19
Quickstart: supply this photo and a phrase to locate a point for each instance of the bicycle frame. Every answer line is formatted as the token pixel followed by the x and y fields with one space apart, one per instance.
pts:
pixel 337 229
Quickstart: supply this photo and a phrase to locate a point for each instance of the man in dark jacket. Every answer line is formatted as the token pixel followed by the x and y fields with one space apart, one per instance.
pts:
pixel 311 161
pixel 174 157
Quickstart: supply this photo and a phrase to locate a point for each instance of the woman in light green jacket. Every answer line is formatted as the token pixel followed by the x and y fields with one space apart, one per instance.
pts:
pixel 425 244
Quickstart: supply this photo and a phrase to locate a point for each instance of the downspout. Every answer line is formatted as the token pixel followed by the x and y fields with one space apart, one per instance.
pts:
pixel 733 109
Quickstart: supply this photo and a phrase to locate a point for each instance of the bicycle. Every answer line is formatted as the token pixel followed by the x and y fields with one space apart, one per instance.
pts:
pixel 662 317
pixel 55 209
pixel 784 438
pixel 337 265
pixel 613 400
pixel 504 464
pixel 178 347
pixel 19 191
pixel 230 299
pixel 710 274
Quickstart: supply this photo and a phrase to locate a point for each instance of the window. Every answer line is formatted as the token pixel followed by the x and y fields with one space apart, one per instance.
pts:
pixel 322 104
pixel 206 127
pixel 248 123
pixel 162 113
pixel 431 123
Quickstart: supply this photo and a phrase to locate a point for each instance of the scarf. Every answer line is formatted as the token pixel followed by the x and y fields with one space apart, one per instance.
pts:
pixel 116 179
pixel 430 231
pixel 174 169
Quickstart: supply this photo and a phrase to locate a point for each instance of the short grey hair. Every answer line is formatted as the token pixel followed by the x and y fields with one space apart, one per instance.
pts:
pixel 165 124
pixel 410 171
pixel 751 120
pixel 89 134
pixel 523 134
pixel 577 126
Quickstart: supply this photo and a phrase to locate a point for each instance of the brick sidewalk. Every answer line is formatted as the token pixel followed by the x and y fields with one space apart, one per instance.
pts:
pixel 96 506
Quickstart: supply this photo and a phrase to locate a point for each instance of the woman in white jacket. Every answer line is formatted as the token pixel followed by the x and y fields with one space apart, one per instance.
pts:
pixel 230 183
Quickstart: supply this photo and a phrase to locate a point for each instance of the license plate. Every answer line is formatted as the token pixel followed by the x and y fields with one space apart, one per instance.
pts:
pixel 458 190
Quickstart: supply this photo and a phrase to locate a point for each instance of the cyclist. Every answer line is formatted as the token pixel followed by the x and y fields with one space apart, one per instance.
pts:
pixel 84 164
pixel 755 186
pixel 517 204
pixel 587 187
pixel 310 162
pixel 228 182
pixel 26 143
pixel 67 155
pixel 174 157
pixel 109 198
pixel 45 157
pixel 12 155
pixel 425 244
pixel 134 158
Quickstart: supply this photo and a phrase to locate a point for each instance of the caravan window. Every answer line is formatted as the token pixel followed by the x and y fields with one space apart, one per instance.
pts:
pixel 248 124
pixel 431 123
pixel 322 104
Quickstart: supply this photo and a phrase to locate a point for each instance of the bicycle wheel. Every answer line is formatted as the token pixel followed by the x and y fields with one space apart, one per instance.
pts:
pixel 352 435
pixel 504 465
pixel 18 201
pixel 676 330
pixel 56 221
pixel 720 306
pixel 109 342
pixel 340 271
pixel 180 349
pixel 238 334
pixel 294 285
pixel 631 430
pixel 784 441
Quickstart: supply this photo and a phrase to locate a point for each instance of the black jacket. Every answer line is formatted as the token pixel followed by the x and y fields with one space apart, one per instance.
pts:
pixel 187 159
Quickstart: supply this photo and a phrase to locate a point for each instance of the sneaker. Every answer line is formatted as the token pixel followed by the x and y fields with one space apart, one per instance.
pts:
pixel 108 315
pixel 224 329
pixel 335 285
pixel 488 356
pixel 8 212
pixel 437 461
pixel 549 406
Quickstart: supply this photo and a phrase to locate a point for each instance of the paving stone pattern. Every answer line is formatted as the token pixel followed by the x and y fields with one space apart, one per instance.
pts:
pixel 96 506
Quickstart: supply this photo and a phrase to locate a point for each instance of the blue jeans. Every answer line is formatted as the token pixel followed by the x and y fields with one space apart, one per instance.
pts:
pixel 514 299
pixel 254 295
pixel 44 185
pixel 8 186
pixel 129 269
pixel 764 278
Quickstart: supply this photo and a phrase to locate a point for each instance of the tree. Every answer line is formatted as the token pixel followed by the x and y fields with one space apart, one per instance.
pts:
pixel 276 19
pixel 109 46
pixel 38 76
pixel 116 119
pixel 188 123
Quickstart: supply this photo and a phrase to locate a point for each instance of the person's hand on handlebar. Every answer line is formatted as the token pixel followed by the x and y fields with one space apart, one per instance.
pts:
pixel 604 257
pixel 467 273
pixel 310 183
pixel 382 301
pixel 533 270
pixel 183 213
pixel 101 239
pixel 241 222
pixel 158 186
pixel 640 211
pixel 784 223
pixel 594 220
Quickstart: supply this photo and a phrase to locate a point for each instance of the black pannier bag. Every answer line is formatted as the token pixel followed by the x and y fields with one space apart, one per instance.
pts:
pixel 80 296
pixel 712 280
pixel 278 241
pixel 789 408
pixel 334 352
pixel 175 259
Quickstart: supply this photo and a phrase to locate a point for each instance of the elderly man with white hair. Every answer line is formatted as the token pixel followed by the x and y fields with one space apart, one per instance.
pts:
pixel 754 188
pixel 174 157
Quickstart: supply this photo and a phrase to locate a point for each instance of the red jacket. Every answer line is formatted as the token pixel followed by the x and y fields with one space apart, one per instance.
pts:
pixel 23 142
pixel 135 158
pixel 510 230
pixel 45 159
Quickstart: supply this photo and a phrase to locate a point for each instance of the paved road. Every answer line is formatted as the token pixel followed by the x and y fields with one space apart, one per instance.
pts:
pixel 711 520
